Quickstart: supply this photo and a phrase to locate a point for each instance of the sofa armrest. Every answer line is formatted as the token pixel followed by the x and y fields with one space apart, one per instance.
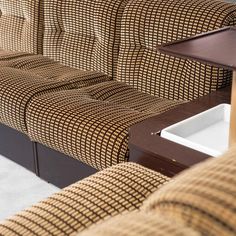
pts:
pixel 107 193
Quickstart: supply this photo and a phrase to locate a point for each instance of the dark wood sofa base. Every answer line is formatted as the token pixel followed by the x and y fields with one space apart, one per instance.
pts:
pixel 60 169
pixel 17 147
pixel 50 165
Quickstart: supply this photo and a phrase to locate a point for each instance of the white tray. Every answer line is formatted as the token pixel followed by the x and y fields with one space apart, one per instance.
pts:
pixel 207 132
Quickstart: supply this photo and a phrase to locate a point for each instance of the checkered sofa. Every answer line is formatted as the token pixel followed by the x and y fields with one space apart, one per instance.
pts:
pixel 91 123
pixel 128 199
pixel 100 71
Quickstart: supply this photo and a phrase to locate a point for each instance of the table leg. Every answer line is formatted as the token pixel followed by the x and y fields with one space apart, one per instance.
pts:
pixel 232 131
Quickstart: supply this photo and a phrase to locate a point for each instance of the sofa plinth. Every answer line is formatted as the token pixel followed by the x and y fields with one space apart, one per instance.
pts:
pixel 60 169
pixel 17 147
pixel 50 165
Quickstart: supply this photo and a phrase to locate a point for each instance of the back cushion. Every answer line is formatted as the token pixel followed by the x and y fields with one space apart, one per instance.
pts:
pixel 149 23
pixel 21 25
pixel 84 33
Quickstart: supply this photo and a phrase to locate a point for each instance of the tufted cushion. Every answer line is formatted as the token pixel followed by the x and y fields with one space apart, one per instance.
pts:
pixel 107 193
pixel 91 124
pixel 147 24
pixel 203 197
pixel 21 25
pixel 24 76
pixel 84 34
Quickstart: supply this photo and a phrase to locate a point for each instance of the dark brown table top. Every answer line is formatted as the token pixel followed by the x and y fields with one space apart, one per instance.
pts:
pixel 217 48
pixel 145 135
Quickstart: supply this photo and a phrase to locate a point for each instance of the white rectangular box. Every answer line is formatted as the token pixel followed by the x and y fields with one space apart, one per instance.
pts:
pixel 207 132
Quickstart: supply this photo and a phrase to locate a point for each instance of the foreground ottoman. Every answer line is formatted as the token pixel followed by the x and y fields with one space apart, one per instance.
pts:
pixel 116 201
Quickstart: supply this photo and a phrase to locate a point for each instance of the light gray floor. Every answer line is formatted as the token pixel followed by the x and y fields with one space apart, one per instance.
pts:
pixel 19 188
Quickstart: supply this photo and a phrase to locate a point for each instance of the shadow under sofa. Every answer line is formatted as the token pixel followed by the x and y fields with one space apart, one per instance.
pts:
pixel 139 69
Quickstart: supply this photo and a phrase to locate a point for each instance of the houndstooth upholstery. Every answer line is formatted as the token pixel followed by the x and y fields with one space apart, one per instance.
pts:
pixel 21 25
pixel 91 124
pixel 108 193
pixel 24 76
pixel 84 34
pixel 147 24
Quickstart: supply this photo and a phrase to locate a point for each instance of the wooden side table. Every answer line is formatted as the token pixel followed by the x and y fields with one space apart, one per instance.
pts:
pixel 216 48
pixel 149 149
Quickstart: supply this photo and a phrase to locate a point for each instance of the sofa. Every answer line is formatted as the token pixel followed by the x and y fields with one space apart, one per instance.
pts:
pixel 99 73
pixel 128 199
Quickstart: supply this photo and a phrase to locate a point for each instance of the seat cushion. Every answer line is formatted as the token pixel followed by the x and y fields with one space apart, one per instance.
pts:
pixel 23 76
pixel 107 193
pixel 91 124
pixel 203 197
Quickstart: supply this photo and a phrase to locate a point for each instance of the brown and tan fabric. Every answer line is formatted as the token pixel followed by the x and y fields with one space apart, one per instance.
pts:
pixel 84 34
pixel 107 193
pixel 200 201
pixel 139 224
pixel 21 25
pixel 91 124
pixel 203 197
pixel 24 76
pixel 129 199
pixel 149 23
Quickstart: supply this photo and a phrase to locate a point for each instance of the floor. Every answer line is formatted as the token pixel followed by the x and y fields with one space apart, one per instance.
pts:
pixel 19 188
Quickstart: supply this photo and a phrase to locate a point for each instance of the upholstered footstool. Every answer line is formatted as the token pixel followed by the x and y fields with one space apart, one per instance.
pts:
pixel 110 192
pixel 128 199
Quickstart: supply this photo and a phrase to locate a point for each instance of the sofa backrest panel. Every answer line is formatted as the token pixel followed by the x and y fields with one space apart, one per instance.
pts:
pixel 21 25
pixel 147 24
pixel 84 34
